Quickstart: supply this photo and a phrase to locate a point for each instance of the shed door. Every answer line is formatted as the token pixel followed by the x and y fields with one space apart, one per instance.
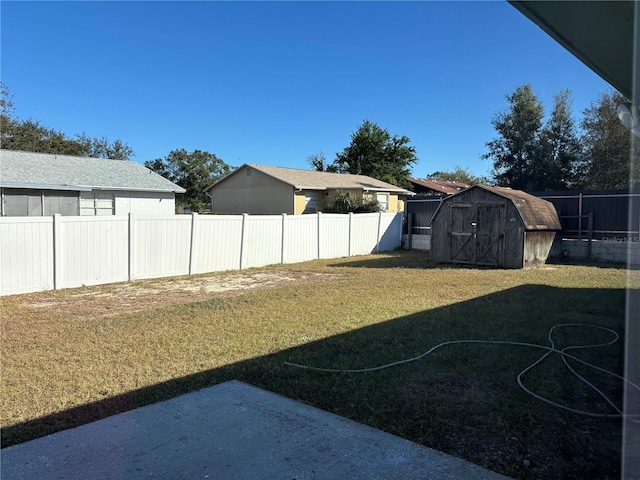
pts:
pixel 476 235
pixel 462 241
pixel 490 234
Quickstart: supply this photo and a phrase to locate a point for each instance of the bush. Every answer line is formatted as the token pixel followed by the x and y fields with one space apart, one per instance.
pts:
pixel 346 202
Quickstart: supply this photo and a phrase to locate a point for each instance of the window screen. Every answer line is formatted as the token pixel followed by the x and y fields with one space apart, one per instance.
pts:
pixel 18 202
pixel 21 202
pixel 60 201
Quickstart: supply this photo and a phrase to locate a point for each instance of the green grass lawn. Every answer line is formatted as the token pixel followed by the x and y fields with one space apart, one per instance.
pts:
pixel 60 369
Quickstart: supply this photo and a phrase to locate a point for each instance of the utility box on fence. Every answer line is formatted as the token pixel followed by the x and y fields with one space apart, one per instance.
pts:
pixel 493 226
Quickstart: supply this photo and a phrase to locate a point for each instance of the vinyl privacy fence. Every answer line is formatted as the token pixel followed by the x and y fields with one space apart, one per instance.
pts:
pixel 44 253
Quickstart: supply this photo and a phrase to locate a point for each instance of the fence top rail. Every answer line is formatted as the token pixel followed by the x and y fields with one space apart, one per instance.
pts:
pixel 7 220
pixel 597 195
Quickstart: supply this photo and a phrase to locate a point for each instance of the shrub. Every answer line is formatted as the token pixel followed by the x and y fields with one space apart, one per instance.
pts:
pixel 346 202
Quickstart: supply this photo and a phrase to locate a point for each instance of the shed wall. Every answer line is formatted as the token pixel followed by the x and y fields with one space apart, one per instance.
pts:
pixel 537 246
pixel 513 236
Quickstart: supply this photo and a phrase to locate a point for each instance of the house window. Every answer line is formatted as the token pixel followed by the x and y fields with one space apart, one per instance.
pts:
pixel 36 203
pixel 97 203
pixel 310 202
pixel 383 201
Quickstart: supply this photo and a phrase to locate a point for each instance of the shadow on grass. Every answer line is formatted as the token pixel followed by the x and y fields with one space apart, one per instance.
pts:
pixel 397 259
pixel 416 259
pixel 462 400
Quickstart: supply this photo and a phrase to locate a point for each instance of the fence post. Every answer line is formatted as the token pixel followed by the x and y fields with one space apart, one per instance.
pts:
pixel 379 229
pixel 283 242
pixel 131 245
pixel 57 251
pixel 580 217
pixel 319 221
pixel 243 239
pixel 350 233
pixel 409 231
pixel 589 234
pixel 194 217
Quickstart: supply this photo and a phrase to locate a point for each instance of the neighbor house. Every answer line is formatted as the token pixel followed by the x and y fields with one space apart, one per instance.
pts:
pixel 258 189
pixel 438 188
pixel 38 184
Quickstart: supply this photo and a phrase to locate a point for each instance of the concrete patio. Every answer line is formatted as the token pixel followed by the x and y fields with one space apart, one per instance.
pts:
pixel 230 431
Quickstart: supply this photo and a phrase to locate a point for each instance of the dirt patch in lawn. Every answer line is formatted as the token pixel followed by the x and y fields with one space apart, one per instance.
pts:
pixel 130 297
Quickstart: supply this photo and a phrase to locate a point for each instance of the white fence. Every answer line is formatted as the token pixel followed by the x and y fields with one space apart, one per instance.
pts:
pixel 44 253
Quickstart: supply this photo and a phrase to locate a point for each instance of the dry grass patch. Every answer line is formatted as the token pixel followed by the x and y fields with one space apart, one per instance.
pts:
pixel 70 357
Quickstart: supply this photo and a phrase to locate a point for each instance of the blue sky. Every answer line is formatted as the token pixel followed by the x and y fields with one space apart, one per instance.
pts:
pixel 274 82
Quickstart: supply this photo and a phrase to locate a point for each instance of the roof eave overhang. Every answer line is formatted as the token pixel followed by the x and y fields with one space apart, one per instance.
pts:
pixel 86 188
pixel 599 33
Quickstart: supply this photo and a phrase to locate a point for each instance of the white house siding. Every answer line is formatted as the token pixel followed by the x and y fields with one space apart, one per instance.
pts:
pixel 145 203
pixel 255 193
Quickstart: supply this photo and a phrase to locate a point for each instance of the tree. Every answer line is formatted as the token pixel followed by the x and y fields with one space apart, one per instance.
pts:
pixel 374 152
pixel 6 102
pixel 31 136
pixel 318 162
pixel 607 162
pixel 517 149
pixel 193 171
pixel 102 148
pixel 560 149
pixel 461 175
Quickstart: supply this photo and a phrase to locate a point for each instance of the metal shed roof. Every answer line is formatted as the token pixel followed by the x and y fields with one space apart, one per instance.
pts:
pixel 441 186
pixel 65 172
pixel 536 213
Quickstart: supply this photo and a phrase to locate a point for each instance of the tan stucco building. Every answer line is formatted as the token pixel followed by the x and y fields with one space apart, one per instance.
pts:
pixel 258 189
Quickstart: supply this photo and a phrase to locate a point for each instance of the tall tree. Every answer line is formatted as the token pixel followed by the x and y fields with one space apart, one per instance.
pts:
pixel 517 148
pixel 459 174
pixel 103 148
pixel 193 171
pixel 608 152
pixel 560 148
pixel 31 136
pixel 374 152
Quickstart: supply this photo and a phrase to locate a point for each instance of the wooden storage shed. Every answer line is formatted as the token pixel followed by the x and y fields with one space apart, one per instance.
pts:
pixel 493 226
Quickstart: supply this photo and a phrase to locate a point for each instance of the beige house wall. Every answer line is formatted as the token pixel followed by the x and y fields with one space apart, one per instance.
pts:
pixel 251 191
pixel 396 204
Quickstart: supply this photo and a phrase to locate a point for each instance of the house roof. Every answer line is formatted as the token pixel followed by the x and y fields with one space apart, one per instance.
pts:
pixel 441 186
pixel 536 213
pixel 313 180
pixel 65 172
